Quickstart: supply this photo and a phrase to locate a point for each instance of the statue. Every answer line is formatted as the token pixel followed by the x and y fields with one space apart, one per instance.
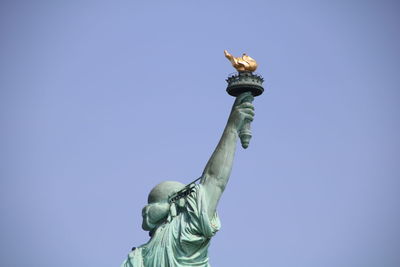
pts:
pixel 181 220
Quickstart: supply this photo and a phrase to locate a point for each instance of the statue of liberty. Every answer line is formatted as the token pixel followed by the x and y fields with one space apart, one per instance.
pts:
pixel 181 220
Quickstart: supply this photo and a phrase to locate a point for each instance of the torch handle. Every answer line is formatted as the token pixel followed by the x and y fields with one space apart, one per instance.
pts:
pixel 245 133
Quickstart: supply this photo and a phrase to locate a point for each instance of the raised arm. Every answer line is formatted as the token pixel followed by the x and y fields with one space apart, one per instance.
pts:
pixel 218 169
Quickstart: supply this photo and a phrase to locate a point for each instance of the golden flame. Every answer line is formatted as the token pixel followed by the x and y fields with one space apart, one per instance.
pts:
pixel 244 63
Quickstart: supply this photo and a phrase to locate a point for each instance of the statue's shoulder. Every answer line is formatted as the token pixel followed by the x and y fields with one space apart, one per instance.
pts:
pixel 135 258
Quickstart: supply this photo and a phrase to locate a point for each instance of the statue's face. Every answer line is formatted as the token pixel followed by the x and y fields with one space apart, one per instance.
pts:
pixel 158 208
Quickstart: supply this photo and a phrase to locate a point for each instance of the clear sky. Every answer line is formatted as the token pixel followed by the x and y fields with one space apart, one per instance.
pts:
pixel 101 100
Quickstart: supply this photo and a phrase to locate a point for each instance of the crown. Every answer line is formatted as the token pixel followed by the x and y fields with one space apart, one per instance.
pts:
pixel 184 192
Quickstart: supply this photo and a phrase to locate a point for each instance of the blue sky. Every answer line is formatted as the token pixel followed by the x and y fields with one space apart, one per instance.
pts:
pixel 101 100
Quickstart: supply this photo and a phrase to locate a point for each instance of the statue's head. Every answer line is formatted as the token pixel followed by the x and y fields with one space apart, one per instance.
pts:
pixel 157 209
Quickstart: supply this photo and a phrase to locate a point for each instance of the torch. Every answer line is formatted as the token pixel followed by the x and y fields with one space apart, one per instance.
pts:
pixel 244 82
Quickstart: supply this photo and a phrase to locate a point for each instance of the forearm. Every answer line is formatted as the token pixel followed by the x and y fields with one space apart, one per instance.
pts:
pixel 219 166
pixel 218 169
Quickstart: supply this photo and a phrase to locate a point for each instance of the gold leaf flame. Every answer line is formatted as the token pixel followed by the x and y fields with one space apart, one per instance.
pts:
pixel 243 63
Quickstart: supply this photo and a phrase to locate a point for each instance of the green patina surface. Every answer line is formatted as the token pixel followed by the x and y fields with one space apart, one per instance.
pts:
pixel 182 240
pixel 182 220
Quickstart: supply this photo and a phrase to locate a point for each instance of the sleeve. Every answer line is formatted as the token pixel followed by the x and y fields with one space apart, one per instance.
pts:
pixel 198 221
